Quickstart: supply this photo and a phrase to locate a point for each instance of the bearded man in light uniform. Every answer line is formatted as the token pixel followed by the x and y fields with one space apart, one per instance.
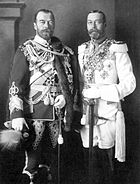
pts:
pixel 107 77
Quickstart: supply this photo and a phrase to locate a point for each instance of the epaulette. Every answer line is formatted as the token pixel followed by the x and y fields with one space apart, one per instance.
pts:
pixel 118 46
pixel 27 41
pixel 84 44
pixel 82 47
pixel 118 42
pixel 69 50
pixel 23 45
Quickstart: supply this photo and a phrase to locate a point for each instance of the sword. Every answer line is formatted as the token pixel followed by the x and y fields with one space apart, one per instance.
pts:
pixel 91 121
pixel 60 141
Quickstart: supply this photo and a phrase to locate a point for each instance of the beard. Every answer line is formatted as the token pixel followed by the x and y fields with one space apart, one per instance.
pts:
pixel 94 34
pixel 45 34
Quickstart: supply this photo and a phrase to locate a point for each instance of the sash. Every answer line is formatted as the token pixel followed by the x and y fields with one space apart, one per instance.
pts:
pixel 39 104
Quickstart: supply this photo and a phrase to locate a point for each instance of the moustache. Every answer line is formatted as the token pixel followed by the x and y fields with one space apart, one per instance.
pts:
pixel 92 31
pixel 46 30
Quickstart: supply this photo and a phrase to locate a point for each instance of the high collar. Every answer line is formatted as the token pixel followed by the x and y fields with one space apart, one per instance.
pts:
pixel 99 41
pixel 40 40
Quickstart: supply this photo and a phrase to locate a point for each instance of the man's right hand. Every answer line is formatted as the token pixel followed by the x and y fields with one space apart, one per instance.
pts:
pixel 92 93
pixel 18 123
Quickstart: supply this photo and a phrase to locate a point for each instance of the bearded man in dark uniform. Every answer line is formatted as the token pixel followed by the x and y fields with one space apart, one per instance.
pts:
pixel 44 85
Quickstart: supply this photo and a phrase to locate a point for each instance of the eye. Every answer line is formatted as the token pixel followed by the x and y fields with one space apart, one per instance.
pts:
pixel 97 22
pixel 42 21
pixel 51 22
pixel 89 22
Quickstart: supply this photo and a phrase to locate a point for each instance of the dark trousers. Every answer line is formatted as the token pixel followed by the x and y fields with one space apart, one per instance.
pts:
pixel 42 154
pixel 71 157
pixel 102 165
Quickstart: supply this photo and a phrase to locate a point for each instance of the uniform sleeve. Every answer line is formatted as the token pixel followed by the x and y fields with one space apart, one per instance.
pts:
pixel 77 106
pixel 81 50
pixel 18 83
pixel 126 80
pixel 77 82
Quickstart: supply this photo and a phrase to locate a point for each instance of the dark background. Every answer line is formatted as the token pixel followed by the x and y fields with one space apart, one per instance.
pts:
pixel 122 23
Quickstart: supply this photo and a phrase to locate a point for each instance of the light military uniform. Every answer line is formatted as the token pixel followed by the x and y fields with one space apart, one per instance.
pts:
pixel 107 66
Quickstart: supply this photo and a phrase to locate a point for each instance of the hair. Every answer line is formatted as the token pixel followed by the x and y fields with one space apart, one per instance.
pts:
pixel 99 11
pixel 45 11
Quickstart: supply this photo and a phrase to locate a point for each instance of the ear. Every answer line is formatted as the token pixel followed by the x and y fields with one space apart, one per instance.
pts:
pixel 35 27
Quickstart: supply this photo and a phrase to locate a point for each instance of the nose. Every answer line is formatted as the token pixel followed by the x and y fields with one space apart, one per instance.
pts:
pixel 94 24
pixel 46 24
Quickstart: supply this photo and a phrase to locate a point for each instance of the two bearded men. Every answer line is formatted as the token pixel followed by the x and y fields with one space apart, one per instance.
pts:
pixel 47 81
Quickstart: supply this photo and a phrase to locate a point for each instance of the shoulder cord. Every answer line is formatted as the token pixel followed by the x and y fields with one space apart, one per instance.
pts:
pixel 45 49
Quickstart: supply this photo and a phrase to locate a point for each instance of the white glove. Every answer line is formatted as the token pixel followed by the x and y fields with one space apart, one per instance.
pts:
pixel 92 92
pixel 59 102
pixel 18 123
pixel 83 120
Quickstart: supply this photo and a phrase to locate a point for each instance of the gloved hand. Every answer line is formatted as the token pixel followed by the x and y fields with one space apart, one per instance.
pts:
pixel 10 139
pixel 92 92
pixel 59 102
pixel 18 123
pixel 83 119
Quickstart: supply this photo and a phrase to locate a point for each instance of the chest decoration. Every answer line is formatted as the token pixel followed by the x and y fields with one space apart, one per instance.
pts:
pixel 94 60
pixel 44 77
pixel 36 56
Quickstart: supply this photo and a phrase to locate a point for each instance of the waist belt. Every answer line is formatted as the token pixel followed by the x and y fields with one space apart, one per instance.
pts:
pixel 46 91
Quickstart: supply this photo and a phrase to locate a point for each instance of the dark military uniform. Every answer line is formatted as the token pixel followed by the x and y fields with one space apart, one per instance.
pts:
pixel 42 71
